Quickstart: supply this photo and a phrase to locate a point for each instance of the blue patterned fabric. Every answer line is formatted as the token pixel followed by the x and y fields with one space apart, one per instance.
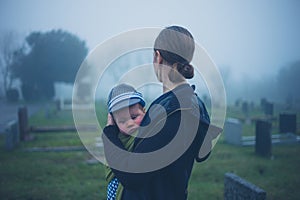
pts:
pixel 112 189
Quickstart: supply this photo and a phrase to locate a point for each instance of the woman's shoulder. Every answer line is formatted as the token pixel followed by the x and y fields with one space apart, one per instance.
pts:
pixel 180 97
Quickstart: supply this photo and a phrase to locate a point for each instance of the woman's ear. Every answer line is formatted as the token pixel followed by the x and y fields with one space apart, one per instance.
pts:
pixel 158 58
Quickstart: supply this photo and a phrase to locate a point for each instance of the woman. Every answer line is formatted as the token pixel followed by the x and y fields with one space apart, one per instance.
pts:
pixel 175 125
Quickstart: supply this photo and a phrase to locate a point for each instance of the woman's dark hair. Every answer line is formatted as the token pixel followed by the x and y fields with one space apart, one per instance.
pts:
pixel 176 46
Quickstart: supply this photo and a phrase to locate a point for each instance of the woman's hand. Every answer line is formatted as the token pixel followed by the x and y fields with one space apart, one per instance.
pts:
pixel 110 120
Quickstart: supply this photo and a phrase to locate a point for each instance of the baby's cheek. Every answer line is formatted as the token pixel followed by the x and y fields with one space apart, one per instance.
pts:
pixel 122 128
pixel 138 120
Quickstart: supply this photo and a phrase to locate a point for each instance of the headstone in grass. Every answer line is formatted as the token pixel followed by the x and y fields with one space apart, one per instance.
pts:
pixel 263 142
pixel 263 102
pixel 287 123
pixel 251 105
pixel 245 108
pixel 12 135
pixel 233 131
pixel 269 109
pixel 47 111
pixel 236 188
pixel 58 105
pixel 237 102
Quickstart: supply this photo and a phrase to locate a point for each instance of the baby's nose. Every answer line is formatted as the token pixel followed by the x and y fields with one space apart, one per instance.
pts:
pixel 130 123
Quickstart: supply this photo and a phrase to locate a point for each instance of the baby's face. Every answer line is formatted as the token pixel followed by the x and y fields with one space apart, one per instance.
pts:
pixel 129 119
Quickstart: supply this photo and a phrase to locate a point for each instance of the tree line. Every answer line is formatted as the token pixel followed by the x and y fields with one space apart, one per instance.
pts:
pixel 43 59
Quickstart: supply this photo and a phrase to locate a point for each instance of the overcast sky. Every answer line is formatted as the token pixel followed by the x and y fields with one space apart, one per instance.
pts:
pixel 249 38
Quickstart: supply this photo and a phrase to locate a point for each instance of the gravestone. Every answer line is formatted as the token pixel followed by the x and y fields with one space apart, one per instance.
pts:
pixel 269 108
pixel 251 105
pixel 58 104
pixel 263 103
pixel 47 111
pixel 12 135
pixel 287 123
pixel 237 103
pixel 263 141
pixel 236 188
pixel 245 108
pixel 23 123
pixel 233 131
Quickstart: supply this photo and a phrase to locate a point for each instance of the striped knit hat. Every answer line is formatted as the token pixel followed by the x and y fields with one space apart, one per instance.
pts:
pixel 122 96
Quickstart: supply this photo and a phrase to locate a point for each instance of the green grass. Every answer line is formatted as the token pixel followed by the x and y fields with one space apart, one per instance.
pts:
pixel 53 139
pixel 278 176
pixel 52 118
pixel 50 175
pixel 66 175
pixel 42 175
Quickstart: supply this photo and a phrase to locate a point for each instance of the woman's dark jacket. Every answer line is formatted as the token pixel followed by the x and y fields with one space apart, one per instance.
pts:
pixel 180 107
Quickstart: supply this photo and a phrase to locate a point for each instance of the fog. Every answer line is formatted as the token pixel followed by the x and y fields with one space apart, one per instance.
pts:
pixel 251 42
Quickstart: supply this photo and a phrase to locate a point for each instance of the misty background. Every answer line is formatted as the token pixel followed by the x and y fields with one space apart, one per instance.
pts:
pixel 255 44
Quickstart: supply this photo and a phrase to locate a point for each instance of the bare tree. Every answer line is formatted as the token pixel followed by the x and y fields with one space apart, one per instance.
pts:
pixel 9 42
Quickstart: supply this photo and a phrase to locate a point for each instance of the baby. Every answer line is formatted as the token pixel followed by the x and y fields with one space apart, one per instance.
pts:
pixel 126 111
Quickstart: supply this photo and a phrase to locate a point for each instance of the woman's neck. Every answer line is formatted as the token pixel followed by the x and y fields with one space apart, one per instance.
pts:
pixel 168 85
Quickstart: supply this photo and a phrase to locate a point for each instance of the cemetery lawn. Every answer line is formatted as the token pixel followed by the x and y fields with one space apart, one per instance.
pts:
pixel 67 175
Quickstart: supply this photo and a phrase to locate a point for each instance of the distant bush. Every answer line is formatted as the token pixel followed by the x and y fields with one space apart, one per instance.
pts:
pixel 12 95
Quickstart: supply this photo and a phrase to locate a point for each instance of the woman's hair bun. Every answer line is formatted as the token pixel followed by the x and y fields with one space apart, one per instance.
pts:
pixel 186 70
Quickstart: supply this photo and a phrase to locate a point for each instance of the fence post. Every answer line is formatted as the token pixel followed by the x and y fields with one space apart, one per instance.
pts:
pixel 23 123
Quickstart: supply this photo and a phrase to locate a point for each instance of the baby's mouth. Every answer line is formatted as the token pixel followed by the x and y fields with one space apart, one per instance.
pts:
pixel 132 130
